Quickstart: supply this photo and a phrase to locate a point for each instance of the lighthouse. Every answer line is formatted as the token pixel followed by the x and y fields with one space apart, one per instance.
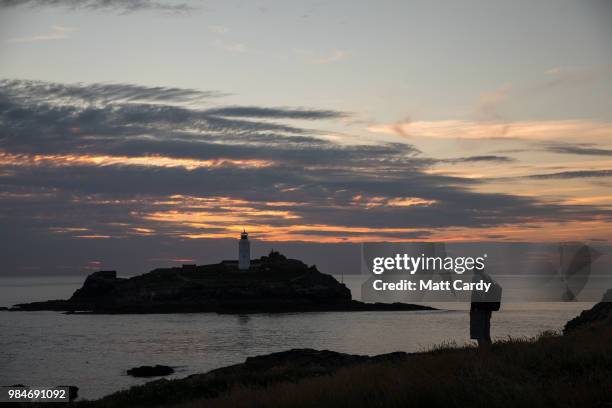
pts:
pixel 244 252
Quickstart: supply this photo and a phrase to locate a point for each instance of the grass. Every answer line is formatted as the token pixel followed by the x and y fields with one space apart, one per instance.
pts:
pixel 552 370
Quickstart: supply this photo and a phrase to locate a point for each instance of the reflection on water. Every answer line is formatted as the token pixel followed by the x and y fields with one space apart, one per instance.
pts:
pixel 93 352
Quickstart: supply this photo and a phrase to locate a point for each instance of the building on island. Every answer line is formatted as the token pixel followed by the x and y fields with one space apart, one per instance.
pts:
pixel 244 252
pixel 244 262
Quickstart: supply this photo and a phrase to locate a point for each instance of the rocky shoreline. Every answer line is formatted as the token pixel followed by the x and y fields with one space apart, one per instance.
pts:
pixel 292 365
pixel 597 316
pixel 352 306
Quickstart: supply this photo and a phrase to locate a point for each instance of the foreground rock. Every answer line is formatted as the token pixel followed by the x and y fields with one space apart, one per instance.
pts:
pixel 73 391
pixel 150 371
pixel 599 315
pixel 292 365
pixel 274 284
pixel 572 370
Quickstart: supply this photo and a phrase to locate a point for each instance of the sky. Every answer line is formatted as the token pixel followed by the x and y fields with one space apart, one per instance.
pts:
pixel 139 133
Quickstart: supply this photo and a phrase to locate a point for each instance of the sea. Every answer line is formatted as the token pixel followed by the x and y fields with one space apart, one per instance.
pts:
pixel 93 352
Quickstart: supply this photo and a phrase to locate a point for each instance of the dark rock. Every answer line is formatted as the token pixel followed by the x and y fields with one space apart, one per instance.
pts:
pixel 150 371
pixel 313 361
pixel 73 391
pixel 4 308
pixel 97 286
pixel 597 316
pixel 55 305
pixel 292 365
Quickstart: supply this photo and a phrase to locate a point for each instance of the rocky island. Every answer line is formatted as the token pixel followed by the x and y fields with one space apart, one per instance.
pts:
pixel 273 283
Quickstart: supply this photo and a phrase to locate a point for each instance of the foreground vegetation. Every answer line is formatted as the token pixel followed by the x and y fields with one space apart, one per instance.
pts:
pixel 572 370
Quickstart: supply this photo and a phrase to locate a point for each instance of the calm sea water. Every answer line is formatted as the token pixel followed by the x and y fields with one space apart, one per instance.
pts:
pixel 93 351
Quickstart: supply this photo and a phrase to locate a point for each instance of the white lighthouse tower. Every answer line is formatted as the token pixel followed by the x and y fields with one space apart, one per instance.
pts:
pixel 244 252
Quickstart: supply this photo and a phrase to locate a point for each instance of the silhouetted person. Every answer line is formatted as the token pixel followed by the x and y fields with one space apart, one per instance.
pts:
pixel 481 308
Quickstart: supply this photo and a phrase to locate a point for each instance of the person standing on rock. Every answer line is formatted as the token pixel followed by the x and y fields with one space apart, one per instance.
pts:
pixel 481 307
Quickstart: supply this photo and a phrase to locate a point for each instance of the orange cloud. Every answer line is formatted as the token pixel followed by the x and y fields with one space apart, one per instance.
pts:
pixel 67 160
pixel 376 201
pixel 224 217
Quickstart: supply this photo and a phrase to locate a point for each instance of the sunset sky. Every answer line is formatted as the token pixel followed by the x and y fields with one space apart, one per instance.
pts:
pixel 142 133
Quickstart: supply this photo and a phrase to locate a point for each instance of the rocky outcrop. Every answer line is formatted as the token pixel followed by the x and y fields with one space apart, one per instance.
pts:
pixel 597 316
pixel 150 371
pixel 292 365
pixel 73 391
pixel 274 284
pixel 98 285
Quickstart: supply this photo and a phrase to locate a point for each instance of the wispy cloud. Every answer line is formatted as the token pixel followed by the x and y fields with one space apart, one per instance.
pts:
pixel 276 113
pixel 573 174
pixel 314 57
pixel 583 150
pixel 230 46
pixel 55 33
pixel 467 129
pixel 102 93
pixel 123 6
pixel 219 29
pixel 335 56
pixel 565 76
pixel 71 160
pixel 490 102
pixel 478 159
